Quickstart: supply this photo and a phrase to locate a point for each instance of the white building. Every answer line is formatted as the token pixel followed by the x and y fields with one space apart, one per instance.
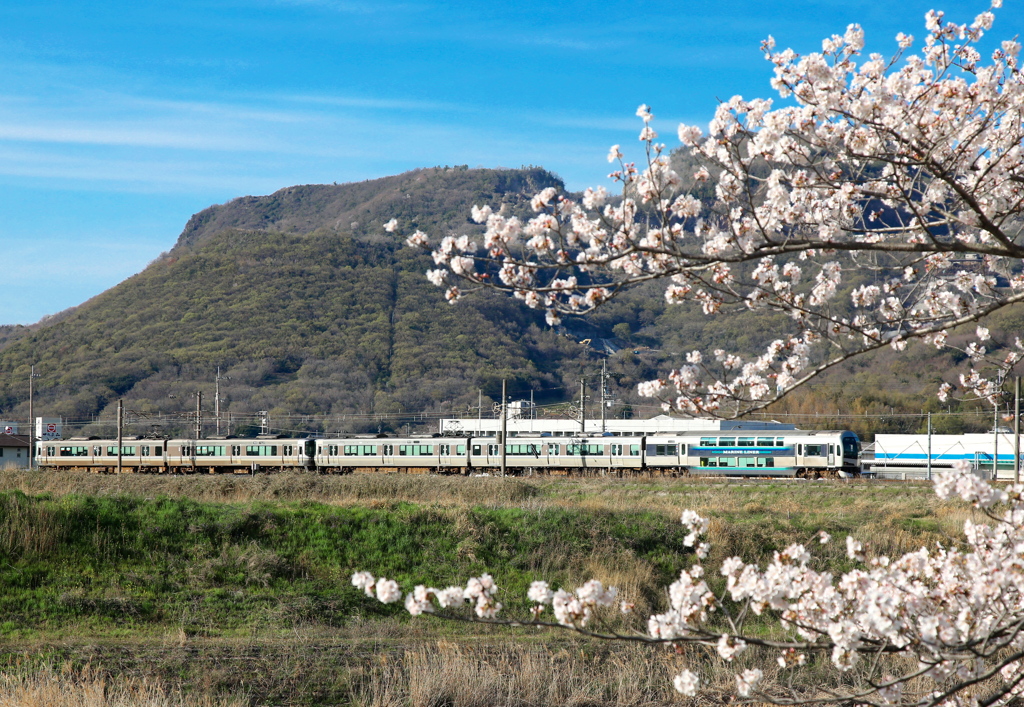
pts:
pixel 13 451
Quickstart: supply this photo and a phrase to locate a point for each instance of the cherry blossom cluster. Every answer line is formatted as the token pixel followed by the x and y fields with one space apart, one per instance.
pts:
pixel 957 612
pixel 880 203
pixel 479 591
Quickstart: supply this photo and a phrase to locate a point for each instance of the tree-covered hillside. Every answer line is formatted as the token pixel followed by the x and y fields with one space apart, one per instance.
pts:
pixel 307 317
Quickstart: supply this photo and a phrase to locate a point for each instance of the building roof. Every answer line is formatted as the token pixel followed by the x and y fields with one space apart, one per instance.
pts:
pixel 7 440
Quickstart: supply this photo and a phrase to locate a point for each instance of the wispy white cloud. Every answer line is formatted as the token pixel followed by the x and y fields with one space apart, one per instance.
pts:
pixel 351 7
pixel 369 102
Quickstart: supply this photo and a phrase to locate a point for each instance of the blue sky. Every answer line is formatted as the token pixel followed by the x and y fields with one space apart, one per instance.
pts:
pixel 118 120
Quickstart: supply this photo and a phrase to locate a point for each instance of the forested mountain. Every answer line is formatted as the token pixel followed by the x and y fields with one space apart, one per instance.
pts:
pixel 309 308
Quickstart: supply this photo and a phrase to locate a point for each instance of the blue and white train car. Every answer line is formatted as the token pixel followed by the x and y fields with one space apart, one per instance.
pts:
pixel 797 453
pixel 904 456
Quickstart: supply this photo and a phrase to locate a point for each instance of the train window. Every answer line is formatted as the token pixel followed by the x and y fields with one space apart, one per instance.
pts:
pixel 388 449
pixel 50 451
pixel 849 447
pixel 461 449
pixel 256 450
pixel 97 451
pixel 445 449
pixel 145 450
pixel 288 450
pixel 726 441
pixel 368 449
pixel 831 449
pixel 768 461
pixel 745 442
pixel 814 450
pixel 492 449
pixel 634 450
pixel 403 449
pixel 476 449
pixel 765 442
pixel 74 451
pixel 799 449
pixel 749 462
pixel 708 441
pixel 426 449
pixel 158 450
pixel 707 461
pixel 236 450
pixel 208 451
pixel 616 450
pixel 112 451
pixel 780 441
pixel 553 449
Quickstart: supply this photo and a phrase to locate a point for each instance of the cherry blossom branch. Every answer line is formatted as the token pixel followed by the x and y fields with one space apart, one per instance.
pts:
pixel 958 613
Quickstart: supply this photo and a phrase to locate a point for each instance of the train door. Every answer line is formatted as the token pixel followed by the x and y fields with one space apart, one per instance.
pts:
pixel 832 455
pixel 309 450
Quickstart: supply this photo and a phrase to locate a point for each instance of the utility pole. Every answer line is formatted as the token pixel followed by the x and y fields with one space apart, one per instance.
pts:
pixel 929 446
pixel 533 416
pixel 504 428
pixel 995 454
pixel 1016 430
pixel 583 406
pixel 479 410
pixel 216 401
pixel 604 392
pixel 199 415
pixel 31 421
pixel 120 432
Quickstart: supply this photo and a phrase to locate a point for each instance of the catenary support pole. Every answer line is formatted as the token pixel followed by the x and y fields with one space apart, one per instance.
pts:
pixel 504 428
pixel 604 389
pixel 995 444
pixel 929 446
pixel 120 432
pixel 199 415
pixel 583 406
pixel 1016 430
pixel 216 402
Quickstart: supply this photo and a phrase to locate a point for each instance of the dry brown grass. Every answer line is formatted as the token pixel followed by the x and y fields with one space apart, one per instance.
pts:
pixel 48 687
pixel 515 675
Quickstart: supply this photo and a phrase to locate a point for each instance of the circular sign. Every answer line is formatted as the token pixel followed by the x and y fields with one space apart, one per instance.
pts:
pixel 51 428
pixel 8 430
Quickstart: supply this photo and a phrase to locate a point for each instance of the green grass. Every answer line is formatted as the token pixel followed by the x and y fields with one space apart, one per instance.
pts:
pixel 103 565
pixel 228 584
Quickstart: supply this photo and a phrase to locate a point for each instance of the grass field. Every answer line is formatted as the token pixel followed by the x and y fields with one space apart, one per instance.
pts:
pixel 238 587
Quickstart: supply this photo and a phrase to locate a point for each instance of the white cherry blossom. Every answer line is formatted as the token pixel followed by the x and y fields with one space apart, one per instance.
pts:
pixel 898 179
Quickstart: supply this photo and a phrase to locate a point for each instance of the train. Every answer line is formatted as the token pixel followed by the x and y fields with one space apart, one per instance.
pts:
pixel 757 453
